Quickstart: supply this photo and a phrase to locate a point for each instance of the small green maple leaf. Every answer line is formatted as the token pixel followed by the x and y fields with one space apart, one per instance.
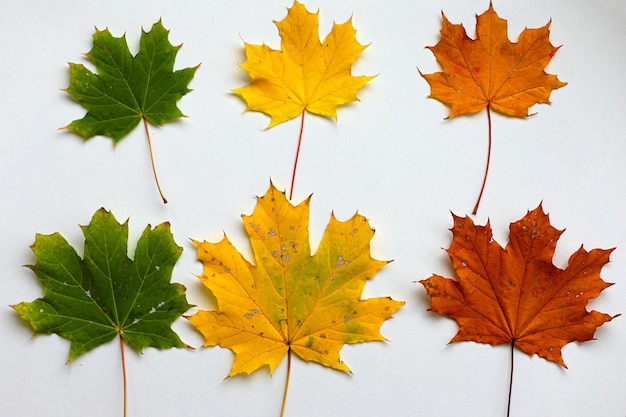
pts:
pixel 128 89
pixel 91 300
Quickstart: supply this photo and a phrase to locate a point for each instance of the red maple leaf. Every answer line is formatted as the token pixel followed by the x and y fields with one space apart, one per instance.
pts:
pixel 516 295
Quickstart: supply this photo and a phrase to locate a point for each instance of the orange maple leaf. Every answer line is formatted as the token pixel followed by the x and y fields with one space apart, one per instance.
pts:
pixel 491 71
pixel 516 295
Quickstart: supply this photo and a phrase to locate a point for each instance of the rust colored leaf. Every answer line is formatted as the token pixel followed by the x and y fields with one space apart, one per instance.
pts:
pixel 491 70
pixel 516 295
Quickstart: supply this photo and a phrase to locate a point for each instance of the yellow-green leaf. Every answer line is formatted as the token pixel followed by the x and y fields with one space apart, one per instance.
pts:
pixel 289 299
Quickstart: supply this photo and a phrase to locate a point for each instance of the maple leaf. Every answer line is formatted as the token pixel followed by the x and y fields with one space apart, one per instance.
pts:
pixel 516 295
pixel 289 300
pixel 91 300
pixel 128 89
pixel 306 75
pixel 491 71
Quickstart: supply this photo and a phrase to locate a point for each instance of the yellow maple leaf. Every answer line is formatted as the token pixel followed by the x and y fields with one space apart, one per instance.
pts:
pixel 306 74
pixel 289 300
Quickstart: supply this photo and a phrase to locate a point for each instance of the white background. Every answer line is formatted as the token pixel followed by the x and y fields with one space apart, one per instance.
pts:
pixel 391 156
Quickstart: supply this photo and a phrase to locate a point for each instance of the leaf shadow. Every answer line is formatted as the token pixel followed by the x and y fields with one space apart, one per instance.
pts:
pixel 209 302
pixel 241 74
pixel 21 324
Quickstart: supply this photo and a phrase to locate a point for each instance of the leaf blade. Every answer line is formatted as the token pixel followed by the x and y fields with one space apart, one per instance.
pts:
pixel 492 70
pixel 127 88
pixel 306 74
pixel 87 300
pixel 287 298
pixel 524 299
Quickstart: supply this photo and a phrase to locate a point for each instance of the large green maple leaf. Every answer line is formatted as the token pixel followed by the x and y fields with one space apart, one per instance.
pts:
pixel 128 88
pixel 91 300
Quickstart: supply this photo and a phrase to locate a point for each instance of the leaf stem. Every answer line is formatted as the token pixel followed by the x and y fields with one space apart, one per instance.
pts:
pixel 508 407
pixel 156 178
pixel 282 408
pixel 123 370
pixel 295 164
pixel 488 159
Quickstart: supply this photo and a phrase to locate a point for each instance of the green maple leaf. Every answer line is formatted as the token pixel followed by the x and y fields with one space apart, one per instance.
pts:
pixel 128 89
pixel 91 300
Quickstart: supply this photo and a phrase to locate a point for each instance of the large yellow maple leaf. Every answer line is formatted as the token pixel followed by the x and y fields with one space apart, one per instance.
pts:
pixel 289 300
pixel 306 74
